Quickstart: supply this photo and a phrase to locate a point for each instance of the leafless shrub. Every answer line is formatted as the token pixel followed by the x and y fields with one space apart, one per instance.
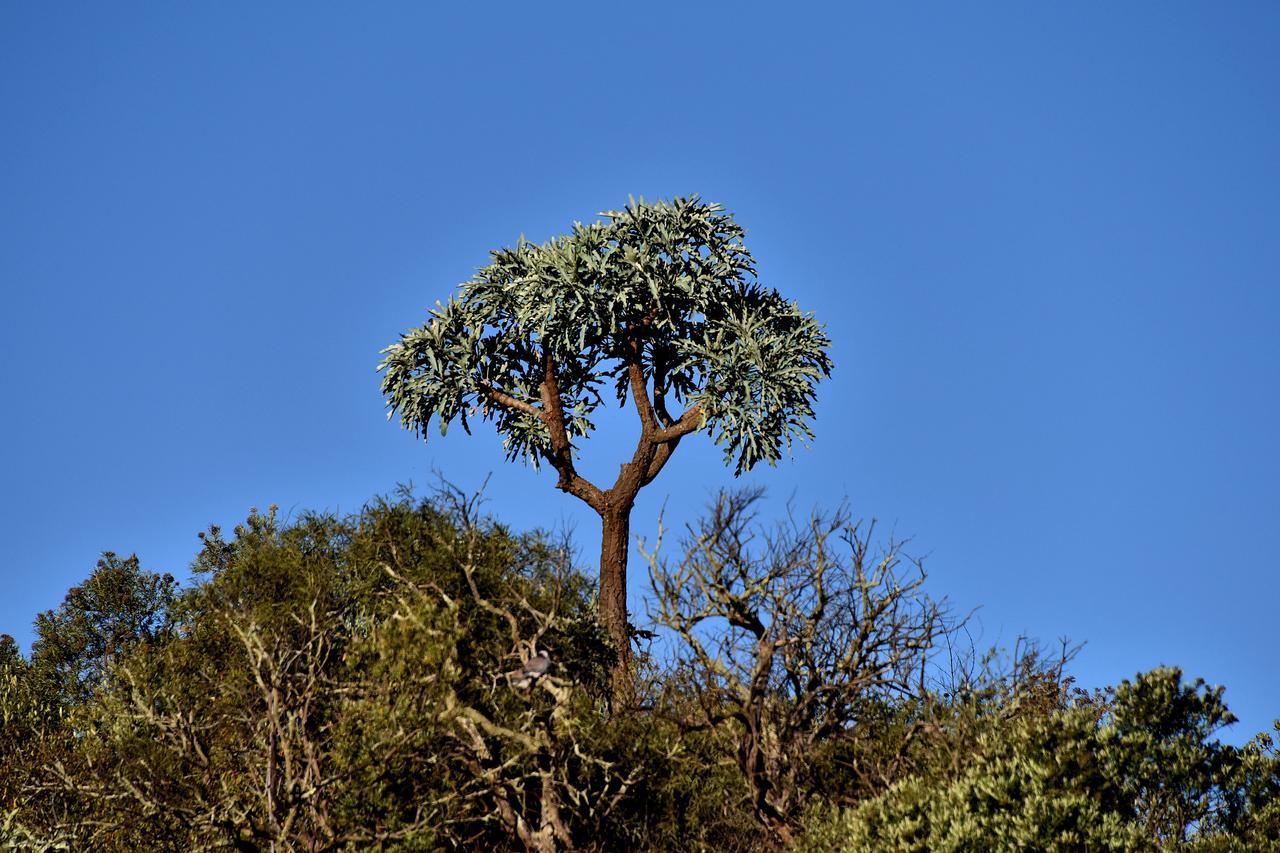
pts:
pixel 785 634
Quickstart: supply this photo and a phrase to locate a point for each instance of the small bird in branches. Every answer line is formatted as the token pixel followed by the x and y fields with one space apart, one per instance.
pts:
pixel 532 670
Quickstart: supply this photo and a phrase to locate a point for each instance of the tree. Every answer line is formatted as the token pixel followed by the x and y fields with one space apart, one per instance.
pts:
pixel 118 606
pixel 336 684
pixel 789 637
pixel 661 301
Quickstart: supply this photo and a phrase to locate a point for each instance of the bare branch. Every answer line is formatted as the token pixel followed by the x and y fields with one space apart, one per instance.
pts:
pixel 789 636
pixel 560 452
pixel 504 399
pixel 690 421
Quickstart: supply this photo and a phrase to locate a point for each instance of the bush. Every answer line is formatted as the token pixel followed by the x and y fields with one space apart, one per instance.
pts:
pixel 1138 771
pixel 342 683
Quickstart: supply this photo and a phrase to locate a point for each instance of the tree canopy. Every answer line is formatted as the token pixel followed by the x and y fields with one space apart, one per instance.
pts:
pixel 668 287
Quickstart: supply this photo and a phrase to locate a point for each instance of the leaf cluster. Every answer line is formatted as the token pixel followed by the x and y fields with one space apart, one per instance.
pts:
pixel 668 286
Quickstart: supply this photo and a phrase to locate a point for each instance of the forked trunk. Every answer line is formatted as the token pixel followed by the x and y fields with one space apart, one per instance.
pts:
pixel 614 547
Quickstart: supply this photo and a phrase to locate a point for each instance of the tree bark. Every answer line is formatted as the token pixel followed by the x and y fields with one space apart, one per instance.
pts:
pixel 614 548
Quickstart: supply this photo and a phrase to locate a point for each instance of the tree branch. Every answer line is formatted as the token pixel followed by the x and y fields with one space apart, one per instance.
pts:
pixel 560 453
pixel 660 366
pixel 504 399
pixel 660 403
pixel 659 460
pixel 662 421
pixel 690 421
pixel 640 395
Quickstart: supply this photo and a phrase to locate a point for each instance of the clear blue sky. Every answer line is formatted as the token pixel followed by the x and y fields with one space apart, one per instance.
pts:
pixel 1044 241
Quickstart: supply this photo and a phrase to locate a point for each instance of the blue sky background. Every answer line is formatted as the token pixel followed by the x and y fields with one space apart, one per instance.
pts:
pixel 1044 241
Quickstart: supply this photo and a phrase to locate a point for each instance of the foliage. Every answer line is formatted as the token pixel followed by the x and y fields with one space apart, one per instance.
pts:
pixel 341 683
pixel 1134 771
pixel 670 286
pixel 116 608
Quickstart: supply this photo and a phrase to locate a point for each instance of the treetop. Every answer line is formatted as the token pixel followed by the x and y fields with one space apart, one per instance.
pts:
pixel 659 300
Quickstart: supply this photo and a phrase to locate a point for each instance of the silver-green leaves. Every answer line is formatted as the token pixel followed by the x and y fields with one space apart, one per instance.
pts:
pixel 668 285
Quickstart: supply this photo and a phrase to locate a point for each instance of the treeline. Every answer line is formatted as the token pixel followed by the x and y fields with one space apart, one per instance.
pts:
pixel 343 683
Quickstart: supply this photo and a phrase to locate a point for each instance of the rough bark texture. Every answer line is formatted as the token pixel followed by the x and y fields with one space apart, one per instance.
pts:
pixel 614 548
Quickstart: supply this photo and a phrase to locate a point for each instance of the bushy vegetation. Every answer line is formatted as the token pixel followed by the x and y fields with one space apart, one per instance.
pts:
pixel 659 300
pixel 342 683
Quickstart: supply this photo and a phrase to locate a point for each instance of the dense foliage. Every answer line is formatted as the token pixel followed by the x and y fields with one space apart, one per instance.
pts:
pixel 668 287
pixel 342 683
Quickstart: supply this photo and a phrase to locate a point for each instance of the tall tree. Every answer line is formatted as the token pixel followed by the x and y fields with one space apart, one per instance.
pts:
pixel 658 300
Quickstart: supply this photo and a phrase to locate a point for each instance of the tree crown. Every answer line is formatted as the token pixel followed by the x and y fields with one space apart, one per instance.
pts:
pixel 658 299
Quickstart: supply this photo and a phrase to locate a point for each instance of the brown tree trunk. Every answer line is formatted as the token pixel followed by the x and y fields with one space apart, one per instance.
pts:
pixel 614 547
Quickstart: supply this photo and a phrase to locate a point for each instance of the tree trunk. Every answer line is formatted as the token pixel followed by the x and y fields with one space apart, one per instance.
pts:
pixel 615 542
